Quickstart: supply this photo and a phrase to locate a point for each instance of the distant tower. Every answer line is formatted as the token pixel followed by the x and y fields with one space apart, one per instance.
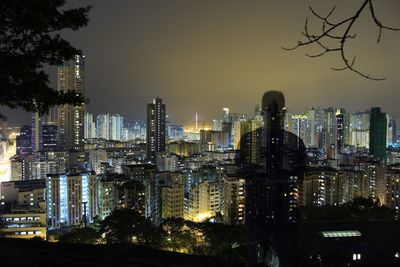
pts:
pixel 49 138
pixel 225 115
pixel 155 128
pixel 392 134
pixel 340 130
pixel 90 126
pixel 116 125
pixel 70 119
pixel 103 126
pixel 257 110
pixel 377 134
pixel 197 120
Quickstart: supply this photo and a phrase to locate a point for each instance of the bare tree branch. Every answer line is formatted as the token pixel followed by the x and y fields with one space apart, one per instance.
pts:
pixel 339 32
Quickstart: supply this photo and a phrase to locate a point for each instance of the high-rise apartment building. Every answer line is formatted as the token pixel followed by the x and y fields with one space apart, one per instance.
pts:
pixel 103 126
pixel 70 119
pixel 392 200
pixel 164 196
pixel 71 199
pixel 49 138
pixel 359 129
pixel 21 167
pixel 116 125
pixel 340 130
pixel 172 197
pixel 204 201
pixel 234 200
pixel 155 128
pixel 109 127
pixel 90 126
pixel 23 140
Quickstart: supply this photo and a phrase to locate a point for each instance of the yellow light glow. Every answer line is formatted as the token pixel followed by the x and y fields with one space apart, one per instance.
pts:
pixel 202 216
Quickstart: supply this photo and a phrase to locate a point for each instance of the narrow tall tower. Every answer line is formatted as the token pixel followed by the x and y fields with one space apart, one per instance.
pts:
pixel 340 130
pixel 197 121
pixel 155 128
pixel 70 119
pixel 377 134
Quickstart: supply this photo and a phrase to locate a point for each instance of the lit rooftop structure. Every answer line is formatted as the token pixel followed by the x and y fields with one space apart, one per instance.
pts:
pixel 338 234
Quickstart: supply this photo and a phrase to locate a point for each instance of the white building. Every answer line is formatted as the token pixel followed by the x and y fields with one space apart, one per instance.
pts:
pixel 67 196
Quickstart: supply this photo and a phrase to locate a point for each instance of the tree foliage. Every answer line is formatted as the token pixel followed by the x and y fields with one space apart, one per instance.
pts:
pixel 360 209
pixel 128 226
pixel 179 236
pixel 225 241
pixel 29 40
pixel 86 235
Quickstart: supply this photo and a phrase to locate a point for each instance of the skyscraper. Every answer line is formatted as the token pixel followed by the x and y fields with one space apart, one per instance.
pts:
pixel 155 128
pixel 225 115
pixel 377 134
pixel 67 196
pixel 116 125
pixel 49 138
pixel 340 130
pixel 103 126
pixel 70 119
pixel 23 140
pixel 90 126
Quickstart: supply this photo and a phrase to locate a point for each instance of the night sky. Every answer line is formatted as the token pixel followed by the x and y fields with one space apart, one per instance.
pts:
pixel 201 56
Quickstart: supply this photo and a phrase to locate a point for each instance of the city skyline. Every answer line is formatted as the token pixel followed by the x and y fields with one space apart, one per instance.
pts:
pixel 215 129
pixel 188 55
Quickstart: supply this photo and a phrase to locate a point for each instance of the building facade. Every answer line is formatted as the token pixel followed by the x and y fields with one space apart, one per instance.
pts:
pixel 68 196
pixel 70 118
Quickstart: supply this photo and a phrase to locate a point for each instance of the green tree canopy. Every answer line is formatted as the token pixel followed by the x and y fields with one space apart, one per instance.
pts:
pixel 129 226
pixel 30 39
pixel 179 236
pixel 85 235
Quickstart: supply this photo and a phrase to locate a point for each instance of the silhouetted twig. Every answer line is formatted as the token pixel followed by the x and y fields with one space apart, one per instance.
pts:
pixel 339 33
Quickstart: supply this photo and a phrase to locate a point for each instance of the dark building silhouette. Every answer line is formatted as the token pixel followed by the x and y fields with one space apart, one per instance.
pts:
pixel 44 132
pixel 272 161
pixel 156 128
pixel 377 134
pixel 24 140
pixel 49 138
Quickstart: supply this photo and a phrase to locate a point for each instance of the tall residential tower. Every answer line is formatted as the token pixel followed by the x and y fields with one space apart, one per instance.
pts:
pixel 70 119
